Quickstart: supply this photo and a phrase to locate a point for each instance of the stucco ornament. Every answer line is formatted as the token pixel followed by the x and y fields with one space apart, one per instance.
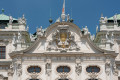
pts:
pixel 40 32
pixel 107 68
pixel 63 40
pixel 78 68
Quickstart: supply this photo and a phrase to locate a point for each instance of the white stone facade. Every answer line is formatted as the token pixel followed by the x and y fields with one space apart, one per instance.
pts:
pixel 61 52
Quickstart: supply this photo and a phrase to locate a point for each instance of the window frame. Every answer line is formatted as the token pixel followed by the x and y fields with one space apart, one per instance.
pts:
pixel 2 52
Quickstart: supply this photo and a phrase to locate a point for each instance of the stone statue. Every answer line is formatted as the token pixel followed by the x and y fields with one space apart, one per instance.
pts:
pixel 58 20
pixel 32 37
pixel 96 29
pixel 112 37
pixel 68 18
pixel 105 19
pixel 22 21
pixel 92 37
pixel 40 32
pixel 27 29
pixel 10 19
pixel 86 32
pixel 115 18
pixel 107 68
pixel 107 36
pixel 19 37
pixel 14 38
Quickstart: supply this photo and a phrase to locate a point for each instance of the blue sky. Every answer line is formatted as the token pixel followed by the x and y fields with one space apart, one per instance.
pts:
pixel 84 12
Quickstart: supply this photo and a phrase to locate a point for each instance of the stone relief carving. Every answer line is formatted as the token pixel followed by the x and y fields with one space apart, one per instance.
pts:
pixel 48 67
pixel 107 68
pixel 19 69
pixel 11 71
pixel 62 40
pixel 78 68
pixel 115 69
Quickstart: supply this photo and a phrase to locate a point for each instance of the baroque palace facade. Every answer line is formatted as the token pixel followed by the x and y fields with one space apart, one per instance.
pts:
pixel 63 51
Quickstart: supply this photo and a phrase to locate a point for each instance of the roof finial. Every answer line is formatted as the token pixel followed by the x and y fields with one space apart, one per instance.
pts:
pixel 63 12
pixel 3 11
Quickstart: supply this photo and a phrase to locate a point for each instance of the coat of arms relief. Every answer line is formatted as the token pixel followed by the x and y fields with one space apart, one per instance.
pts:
pixel 63 40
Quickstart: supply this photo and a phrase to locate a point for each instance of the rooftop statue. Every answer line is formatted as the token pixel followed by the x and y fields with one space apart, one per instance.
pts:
pixel 10 19
pixel 40 32
pixel 115 18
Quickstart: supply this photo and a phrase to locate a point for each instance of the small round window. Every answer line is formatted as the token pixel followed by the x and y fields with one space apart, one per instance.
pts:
pixel 91 69
pixel 34 69
pixel 61 69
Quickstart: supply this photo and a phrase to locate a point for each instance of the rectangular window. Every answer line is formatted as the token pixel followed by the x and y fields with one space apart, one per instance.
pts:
pixel 2 52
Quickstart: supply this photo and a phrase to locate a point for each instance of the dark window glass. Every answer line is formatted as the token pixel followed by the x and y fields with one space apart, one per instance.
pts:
pixel 35 69
pixel 2 52
pixel 63 69
pixel 91 69
pixel 92 79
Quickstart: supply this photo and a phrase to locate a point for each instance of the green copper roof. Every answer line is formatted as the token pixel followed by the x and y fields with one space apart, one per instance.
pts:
pixel 118 17
pixel 5 17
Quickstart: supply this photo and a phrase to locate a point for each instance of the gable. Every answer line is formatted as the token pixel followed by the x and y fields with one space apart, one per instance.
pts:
pixel 63 37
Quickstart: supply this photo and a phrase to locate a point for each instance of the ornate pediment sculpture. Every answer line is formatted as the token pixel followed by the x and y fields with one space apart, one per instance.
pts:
pixel 63 40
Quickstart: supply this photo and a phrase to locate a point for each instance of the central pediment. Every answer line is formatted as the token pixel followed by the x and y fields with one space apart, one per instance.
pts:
pixel 63 37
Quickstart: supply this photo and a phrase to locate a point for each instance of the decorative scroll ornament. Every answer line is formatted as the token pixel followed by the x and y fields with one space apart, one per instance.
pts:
pixel 63 40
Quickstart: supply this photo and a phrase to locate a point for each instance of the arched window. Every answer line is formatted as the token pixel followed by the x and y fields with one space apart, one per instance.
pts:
pixel 35 69
pixel 91 69
pixel 61 69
